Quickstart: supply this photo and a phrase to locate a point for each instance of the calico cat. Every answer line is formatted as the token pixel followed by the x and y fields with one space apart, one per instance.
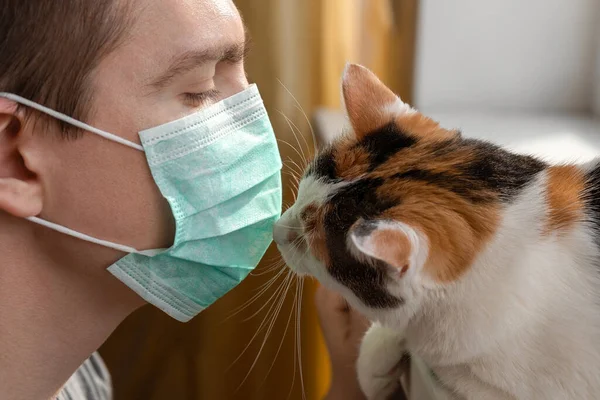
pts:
pixel 482 262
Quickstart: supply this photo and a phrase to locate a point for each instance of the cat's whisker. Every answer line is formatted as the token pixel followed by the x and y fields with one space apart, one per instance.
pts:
pixel 295 184
pixel 295 248
pixel 273 259
pixel 287 325
pixel 292 125
pixel 265 271
pixel 300 131
pixel 293 148
pixel 299 335
pixel 271 270
pixel 300 169
pixel 296 180
pixel 293 166
pixel 273 264
pixel 264 305
pixel 291 227
pixel 312 131
pixel 262 324
pixel 295 355
pixel 262 290
pixel 296 174
pixel 282 298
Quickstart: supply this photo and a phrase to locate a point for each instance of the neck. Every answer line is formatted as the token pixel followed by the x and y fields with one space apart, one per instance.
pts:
pixel 52 317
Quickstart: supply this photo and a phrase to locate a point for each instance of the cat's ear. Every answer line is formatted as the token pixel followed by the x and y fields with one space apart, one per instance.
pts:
pixel 369 103
pixel 395 243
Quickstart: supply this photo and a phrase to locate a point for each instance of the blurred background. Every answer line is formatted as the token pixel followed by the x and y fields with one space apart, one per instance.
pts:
pixel 522 73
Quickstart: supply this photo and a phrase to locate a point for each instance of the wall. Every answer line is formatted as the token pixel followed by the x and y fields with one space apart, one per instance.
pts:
pixel 506 54
pixel 597 76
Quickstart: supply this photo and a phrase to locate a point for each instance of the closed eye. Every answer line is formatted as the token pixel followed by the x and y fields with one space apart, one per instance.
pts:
pixel 308 217
pixel 200 99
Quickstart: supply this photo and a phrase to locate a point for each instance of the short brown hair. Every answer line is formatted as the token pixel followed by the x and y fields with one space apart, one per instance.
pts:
pixel 50 48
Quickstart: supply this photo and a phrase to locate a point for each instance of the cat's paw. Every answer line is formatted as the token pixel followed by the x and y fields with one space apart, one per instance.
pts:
pixel 381 362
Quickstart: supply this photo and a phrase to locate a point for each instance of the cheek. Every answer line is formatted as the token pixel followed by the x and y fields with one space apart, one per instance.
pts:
pixel 318 248
pixel 313 221
pixel 105 190
pixel 298 261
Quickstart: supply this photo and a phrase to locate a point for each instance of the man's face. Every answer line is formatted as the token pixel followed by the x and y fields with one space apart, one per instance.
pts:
pixel 180 56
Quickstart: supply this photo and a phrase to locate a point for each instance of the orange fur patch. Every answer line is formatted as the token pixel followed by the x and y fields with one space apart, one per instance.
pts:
pixel 422 127
pixel 366 98
pixel 419 157
pixel 457 230
pixel 350 161
pixel 563 195
pixel 315 230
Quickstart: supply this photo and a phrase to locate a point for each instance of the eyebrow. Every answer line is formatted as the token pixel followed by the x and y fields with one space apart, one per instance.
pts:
pixel 232 53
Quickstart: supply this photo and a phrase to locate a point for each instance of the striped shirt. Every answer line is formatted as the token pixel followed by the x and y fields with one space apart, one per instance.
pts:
pixel 90 382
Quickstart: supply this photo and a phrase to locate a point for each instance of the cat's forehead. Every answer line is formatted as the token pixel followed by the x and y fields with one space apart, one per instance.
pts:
pixel 351 157
pixel 314 191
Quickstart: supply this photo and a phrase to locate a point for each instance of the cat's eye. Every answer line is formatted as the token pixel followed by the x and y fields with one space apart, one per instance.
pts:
pixel 308 216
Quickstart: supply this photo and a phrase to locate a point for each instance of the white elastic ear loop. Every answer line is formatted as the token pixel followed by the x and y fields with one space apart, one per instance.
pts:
pixel 69 120
pixel 106 135
pixel 87 238
pixel 70 232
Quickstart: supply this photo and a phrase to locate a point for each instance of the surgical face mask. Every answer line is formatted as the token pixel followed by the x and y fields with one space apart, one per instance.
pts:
pixel 219 169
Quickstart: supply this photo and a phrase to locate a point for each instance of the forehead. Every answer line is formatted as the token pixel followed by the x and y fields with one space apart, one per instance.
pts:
pixel 164 29
pixel 161 31
pixel 158 34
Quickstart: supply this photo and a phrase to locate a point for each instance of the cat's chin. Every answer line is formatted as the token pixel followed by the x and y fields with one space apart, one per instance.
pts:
pixel 293 266
pixel 299 273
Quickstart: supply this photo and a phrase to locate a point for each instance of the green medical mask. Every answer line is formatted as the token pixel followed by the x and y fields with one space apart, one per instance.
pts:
pixel 219 169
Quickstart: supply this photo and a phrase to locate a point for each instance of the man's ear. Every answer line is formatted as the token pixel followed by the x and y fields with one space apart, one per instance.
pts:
pixel 394 243
pixel 20 188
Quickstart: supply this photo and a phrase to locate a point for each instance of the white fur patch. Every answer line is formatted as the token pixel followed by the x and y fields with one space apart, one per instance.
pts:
pixel 310 191
pixel 524 321
pixel 380 353
pixel 399 108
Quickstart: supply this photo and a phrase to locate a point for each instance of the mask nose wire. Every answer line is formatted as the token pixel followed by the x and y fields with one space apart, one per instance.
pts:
pixel 71 121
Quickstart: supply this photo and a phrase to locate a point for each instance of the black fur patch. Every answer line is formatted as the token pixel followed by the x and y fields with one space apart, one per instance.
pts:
pixel 493 170
pixel 323 166
pixel 365 228
pixel 459 184
pixel 384 143
pixel 591 199
pixel 348 205
pixel 500 170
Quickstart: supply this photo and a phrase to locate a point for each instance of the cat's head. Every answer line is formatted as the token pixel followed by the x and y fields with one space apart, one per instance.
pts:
pixel 393 208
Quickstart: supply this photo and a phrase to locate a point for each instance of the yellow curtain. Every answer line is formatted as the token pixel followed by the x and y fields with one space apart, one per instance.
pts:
pixel 299 52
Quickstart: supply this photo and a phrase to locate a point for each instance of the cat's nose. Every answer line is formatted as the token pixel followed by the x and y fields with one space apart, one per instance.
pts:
pixel 283 234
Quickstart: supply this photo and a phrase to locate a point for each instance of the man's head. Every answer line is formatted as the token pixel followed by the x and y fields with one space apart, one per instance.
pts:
pixel 121 66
